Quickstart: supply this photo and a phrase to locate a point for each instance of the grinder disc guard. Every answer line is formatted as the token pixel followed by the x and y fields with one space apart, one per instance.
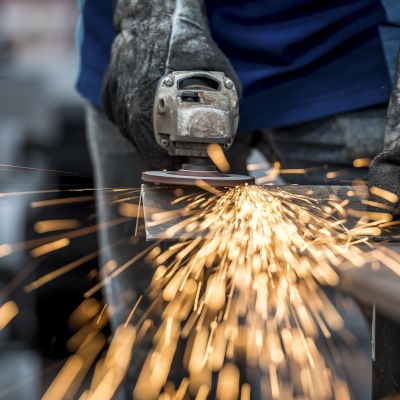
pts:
pixel 191 174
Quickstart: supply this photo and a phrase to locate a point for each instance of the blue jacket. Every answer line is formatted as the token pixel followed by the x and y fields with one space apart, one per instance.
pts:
pixel 298 60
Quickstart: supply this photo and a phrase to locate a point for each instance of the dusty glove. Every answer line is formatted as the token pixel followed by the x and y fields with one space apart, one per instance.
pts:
pixel 156 37
pixel 385 168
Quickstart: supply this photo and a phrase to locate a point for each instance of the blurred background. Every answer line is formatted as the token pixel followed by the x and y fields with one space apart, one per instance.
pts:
pixel 42 128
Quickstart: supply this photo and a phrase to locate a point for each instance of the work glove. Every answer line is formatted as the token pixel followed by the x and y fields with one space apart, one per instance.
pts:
pixel 385 168
pixel 155 38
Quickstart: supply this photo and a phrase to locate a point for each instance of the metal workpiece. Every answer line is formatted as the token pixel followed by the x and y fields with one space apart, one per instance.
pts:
pixel 193 109
pixel 367 284
pixel 162 198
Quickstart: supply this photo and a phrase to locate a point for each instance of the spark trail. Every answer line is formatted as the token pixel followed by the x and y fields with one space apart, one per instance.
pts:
pixel 251 290
pixel 244 297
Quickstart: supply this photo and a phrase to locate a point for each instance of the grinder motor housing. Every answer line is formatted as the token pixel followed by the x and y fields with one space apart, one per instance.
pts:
pixel 193 109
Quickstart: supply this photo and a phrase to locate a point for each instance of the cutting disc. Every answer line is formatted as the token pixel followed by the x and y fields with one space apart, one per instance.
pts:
pixel 190 176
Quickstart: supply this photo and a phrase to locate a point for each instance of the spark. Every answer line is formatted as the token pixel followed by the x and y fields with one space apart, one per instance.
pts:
pixel 57 202
pixel 245 392
pixel 8 312
pixel 361 162
pixel 257 167
pixel 37 169
pixel 335 174
pixel 293 171
pixel 56 225
pixel 50 247
pixel 376 205
pixel 128 320
pixel 228 382
pixel 380 216
pixel 207 187
pixel 101 314
pixel 217 156
pixel 272 173
pixel 384 194
pixel 5 250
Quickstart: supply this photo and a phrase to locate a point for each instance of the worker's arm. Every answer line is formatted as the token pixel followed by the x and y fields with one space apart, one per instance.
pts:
pixel 155 37
pixel 385 168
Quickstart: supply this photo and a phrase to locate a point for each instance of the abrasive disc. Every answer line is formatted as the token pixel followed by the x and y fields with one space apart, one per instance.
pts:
pixel 189 177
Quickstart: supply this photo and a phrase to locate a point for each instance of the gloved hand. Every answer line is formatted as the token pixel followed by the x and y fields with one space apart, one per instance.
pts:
pixel 156 37
pixel 385 168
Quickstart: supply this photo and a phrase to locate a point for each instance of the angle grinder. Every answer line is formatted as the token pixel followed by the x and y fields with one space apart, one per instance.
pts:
pixel 192 110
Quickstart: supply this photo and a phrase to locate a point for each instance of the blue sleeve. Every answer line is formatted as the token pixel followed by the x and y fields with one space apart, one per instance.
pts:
pixel 390 34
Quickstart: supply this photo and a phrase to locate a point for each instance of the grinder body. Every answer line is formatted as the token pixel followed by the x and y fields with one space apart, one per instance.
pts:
pixel 192 110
